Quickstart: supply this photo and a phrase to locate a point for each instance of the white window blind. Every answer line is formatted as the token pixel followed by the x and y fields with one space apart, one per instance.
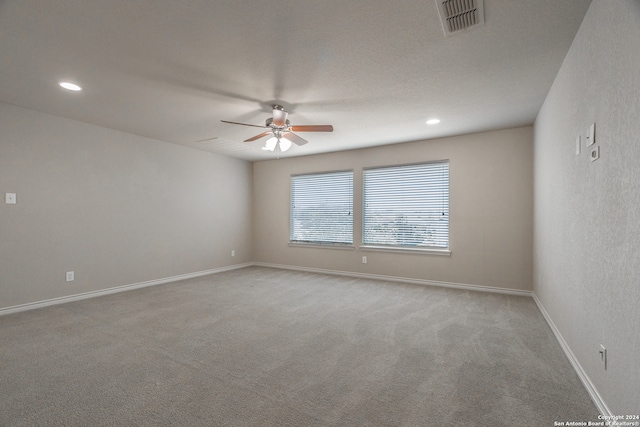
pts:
pixel 322 208
pixel 407 206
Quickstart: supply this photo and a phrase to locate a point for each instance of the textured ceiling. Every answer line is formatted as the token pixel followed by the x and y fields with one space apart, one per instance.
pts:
pixel 374 69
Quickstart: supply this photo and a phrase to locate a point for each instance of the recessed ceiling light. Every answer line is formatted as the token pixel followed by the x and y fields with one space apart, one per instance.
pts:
pixel 433 121
pixel 70 86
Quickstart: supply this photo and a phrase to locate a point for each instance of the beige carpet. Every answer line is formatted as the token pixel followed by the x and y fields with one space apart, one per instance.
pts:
pixel 268 347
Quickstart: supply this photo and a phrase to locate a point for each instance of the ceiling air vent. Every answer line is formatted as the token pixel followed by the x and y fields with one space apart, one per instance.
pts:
pixel 459 15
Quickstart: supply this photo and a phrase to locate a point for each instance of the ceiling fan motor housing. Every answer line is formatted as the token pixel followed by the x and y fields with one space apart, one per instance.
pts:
pixel 269 123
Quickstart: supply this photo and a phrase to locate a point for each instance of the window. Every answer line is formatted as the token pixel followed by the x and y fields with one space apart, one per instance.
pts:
pixel 407 206
pixel 322 208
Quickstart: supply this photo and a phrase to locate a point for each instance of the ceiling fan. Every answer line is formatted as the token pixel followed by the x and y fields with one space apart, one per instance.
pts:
pixel 281 131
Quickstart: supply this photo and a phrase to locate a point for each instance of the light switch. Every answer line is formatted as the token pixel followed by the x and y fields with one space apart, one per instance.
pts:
pixel 591 136
pixel 10 198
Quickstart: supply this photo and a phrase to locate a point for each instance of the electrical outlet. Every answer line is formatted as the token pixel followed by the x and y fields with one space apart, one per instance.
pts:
pixel 70 276
pixel 233 252
pixel 603 356
pixel 364 259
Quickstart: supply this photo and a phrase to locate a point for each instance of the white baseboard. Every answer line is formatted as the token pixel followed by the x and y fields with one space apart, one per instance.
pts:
pixel 400 279
pixel 591 389
pixel 93 294
pixel 588 385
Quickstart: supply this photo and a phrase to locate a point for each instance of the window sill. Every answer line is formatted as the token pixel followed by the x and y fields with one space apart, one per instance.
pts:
pixel 322 246
pixel 426 251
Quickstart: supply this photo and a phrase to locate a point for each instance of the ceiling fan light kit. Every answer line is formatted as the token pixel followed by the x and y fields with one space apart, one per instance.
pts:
pixel 285 144
pixel 281 131
pixel 270 144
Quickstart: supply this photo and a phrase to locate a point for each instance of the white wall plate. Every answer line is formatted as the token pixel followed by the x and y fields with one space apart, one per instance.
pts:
pixel 10 198
pixel 591 135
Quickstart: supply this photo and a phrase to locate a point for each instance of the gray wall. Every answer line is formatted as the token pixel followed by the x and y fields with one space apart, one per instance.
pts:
pixel 115 208
pixel 587 215
pixel 491 208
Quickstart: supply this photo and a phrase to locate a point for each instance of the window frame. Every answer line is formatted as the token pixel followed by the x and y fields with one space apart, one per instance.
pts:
pixel 320 243
pixel 434 250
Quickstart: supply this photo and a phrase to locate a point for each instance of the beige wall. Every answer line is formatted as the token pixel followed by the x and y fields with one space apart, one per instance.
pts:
pixel 491 205
pixel 587 215
pixel 115 208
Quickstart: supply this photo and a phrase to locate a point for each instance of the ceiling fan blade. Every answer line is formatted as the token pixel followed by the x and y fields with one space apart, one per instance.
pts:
pixel 243 124
pixel 279 116
pixel 294 138
pixel 262 135
pixel 312 128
